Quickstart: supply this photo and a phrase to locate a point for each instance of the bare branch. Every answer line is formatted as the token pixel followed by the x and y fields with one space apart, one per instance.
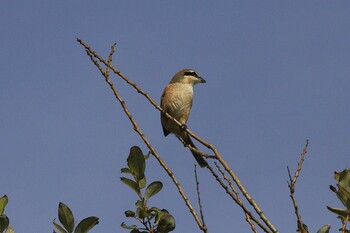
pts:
pixel 109 61
pixel 291 185
pixel 199 200
pixel 245 193
pixel 92 54
pixel 248 217
pixel 196 150
pixel 234 198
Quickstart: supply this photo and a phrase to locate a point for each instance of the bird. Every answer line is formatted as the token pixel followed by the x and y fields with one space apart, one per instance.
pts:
pixel 177 101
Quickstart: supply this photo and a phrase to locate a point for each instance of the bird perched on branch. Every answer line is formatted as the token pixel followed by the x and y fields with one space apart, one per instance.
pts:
pixel 177 100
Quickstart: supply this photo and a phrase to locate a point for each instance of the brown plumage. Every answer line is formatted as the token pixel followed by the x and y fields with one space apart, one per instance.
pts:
pixel 177 100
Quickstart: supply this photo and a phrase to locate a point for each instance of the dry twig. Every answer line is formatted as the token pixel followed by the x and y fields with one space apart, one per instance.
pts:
pixel 248 217
pixel 92 56
pixel 199 199
pixel 234 198
pixel 291 185
pixel 245 193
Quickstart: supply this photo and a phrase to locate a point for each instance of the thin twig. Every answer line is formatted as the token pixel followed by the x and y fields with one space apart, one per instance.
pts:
pixel 245 193
pixel 199 200
pixel 344 223
pixel 250 200
pixel 109 61
pixel 233 196
pixel 291 185
pixel 196 150
pixel 150 147
pixel 247 216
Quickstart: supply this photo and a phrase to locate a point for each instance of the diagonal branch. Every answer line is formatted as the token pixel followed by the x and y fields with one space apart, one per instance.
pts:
pixel 248 216
pixel 144 138
pixel 234 198
pixel 245 193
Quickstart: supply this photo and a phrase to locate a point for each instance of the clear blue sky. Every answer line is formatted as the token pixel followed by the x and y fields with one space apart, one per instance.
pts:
pixel 277 74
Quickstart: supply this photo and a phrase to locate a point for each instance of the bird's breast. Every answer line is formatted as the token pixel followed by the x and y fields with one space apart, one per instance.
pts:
pixel 177 101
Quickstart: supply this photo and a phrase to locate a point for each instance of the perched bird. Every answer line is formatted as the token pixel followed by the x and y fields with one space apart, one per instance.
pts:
pixel 177 100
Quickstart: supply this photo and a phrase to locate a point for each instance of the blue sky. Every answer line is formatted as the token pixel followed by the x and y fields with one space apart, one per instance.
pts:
pixel 277 74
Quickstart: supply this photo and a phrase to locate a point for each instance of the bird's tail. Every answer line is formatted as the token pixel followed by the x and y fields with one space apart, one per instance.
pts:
pixel 200 160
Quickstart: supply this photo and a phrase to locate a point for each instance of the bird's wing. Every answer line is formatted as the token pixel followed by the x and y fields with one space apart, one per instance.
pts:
pixel 165 131
pixel 163 119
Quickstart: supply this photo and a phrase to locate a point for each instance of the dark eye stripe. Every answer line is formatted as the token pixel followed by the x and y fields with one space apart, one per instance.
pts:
pixel 191 73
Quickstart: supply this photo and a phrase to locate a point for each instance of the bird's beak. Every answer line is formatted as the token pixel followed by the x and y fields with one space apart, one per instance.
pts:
pixel 202 80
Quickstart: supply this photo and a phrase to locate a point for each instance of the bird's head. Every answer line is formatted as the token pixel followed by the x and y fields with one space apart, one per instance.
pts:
pixel 187 76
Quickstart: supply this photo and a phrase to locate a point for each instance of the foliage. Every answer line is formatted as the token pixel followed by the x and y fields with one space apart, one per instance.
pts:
pixel 154 220
pixel 4 220
pixel 342 191
pixel 324 229
pixel 66 218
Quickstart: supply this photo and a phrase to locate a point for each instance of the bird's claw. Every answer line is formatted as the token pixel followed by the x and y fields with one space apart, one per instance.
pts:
pixel 183 127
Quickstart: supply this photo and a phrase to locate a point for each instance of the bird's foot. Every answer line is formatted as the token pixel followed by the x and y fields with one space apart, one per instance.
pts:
pixel 183 127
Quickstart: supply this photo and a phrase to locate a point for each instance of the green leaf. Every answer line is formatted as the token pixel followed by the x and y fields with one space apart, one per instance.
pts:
pixel 66 217
pixel 340 212
pixel 158 213
pixel 123 225
pixel 141 213
pixel 139 204
pixel 166 224
pixel 86 224
pixel 61 229
pixel 4 222
pixel 3 202
pixel 341 197
pixel 324 229
pixel 344 196
pixel 344 179
pixel 129 214
pixel 142 183
pixel 153 189
pixel 126 170
pixel 132 184
pixel 136 162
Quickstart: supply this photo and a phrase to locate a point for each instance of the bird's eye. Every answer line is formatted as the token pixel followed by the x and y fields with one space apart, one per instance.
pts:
pixel 191 73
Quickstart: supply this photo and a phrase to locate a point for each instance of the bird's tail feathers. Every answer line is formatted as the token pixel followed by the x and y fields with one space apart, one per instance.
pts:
pixel 200 160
